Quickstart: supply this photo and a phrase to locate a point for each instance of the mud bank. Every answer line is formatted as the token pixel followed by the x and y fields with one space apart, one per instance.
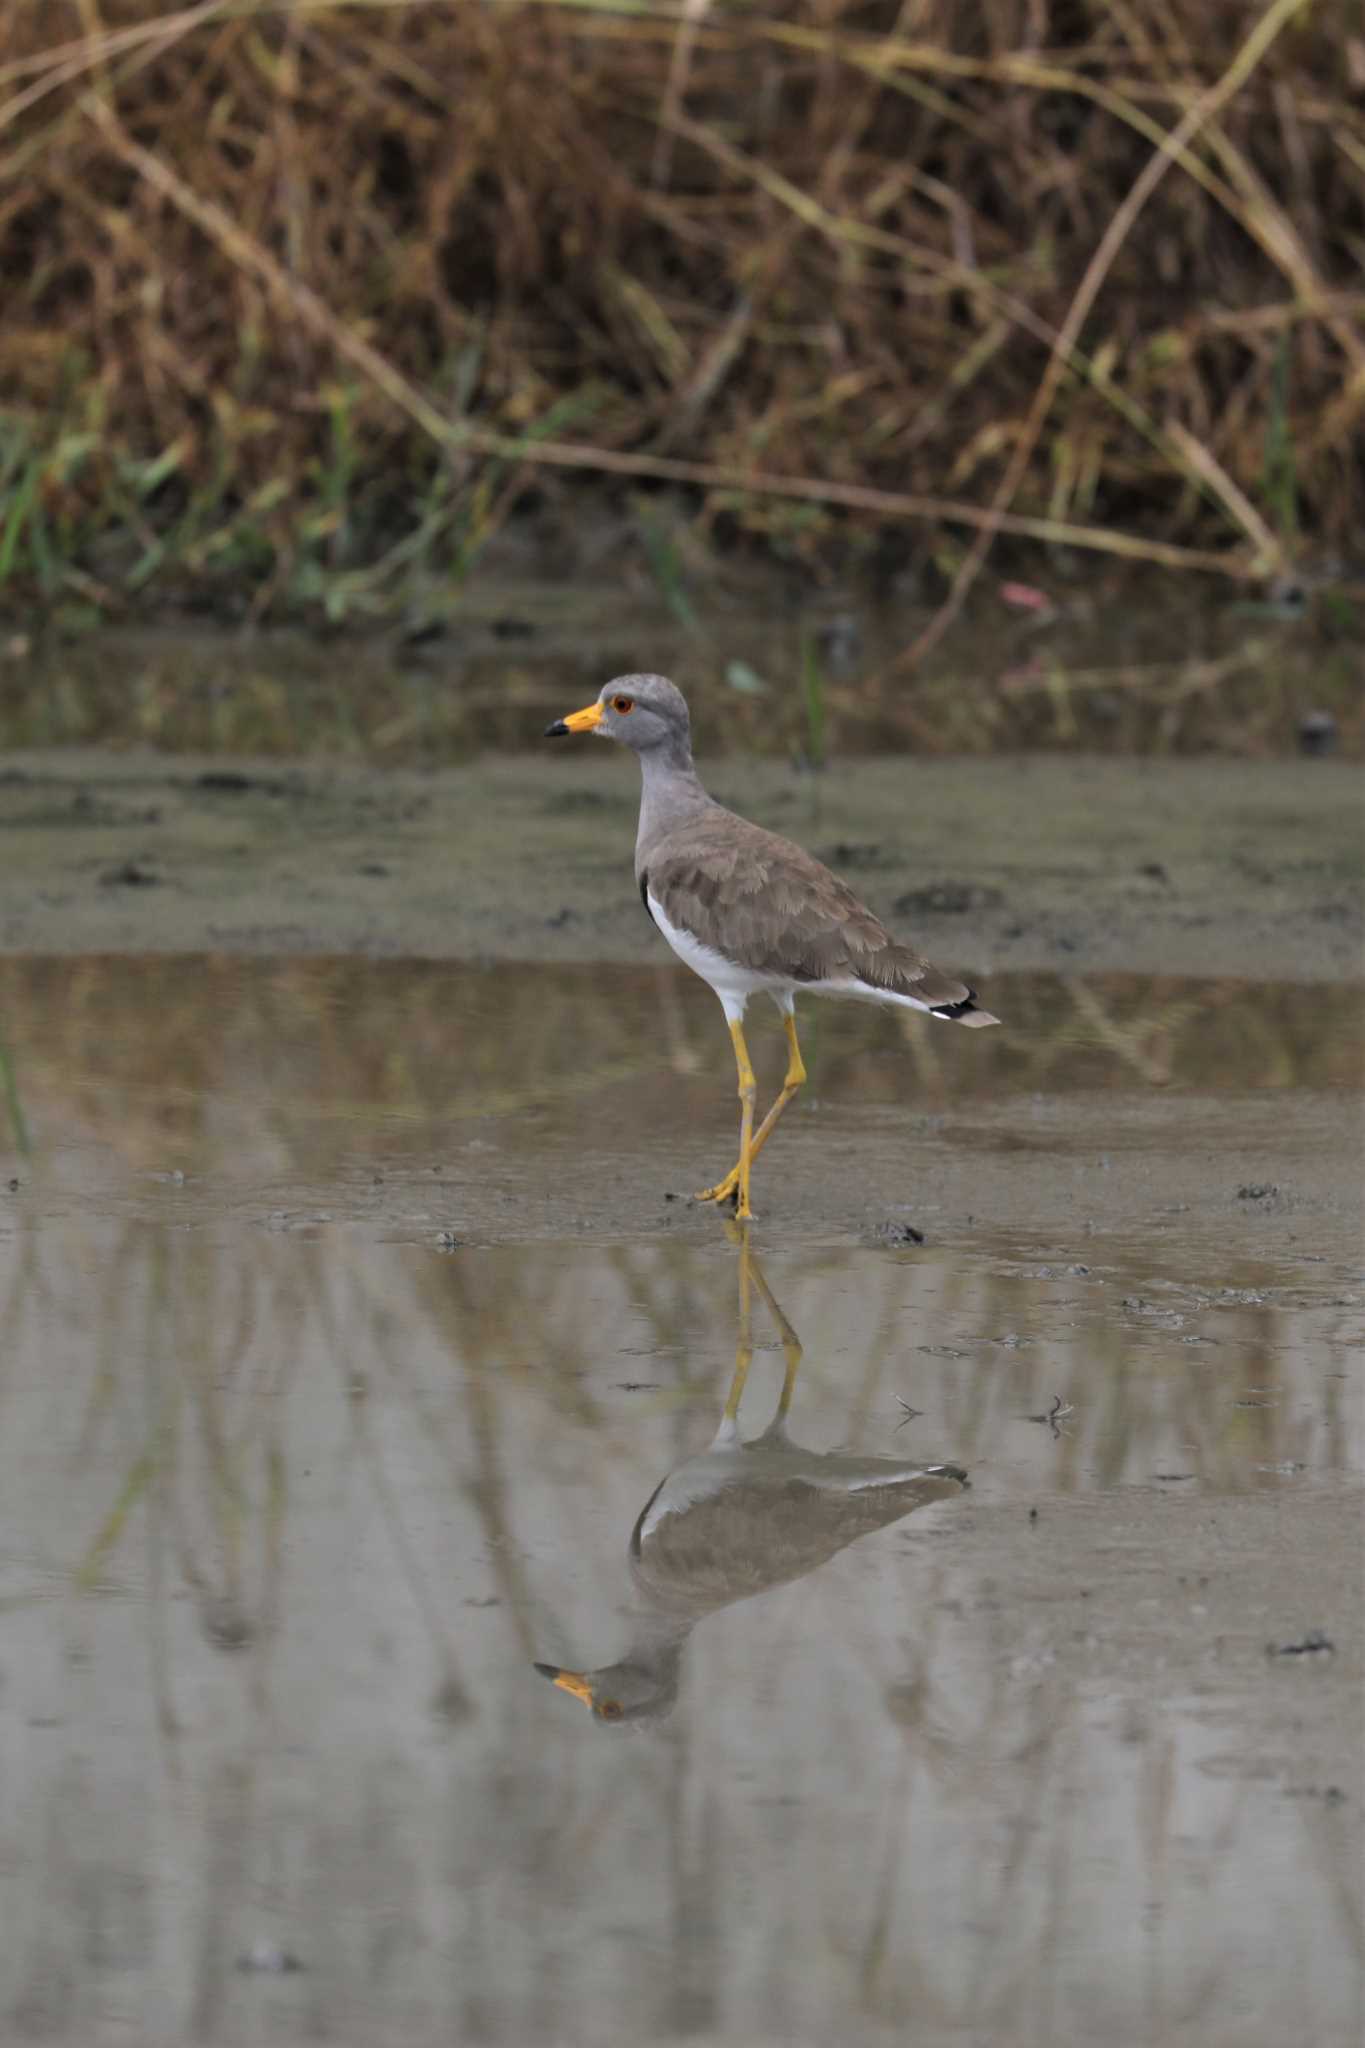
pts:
pixel 1182 867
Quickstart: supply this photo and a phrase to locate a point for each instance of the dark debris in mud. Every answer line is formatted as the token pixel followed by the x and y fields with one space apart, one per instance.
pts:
pixel 1054 1416
pixel 947 899
pixel 857 854
pixel 129 874
pixel 1318 734
pixel 234 782
pixel 894 1234
pixel 1314 1644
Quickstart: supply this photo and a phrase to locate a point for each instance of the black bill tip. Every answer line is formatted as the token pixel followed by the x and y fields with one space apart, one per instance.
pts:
pixel 558 731
pixel 550 1671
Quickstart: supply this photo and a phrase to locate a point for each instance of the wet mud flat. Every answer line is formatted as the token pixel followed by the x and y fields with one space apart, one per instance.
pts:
pixel 1245 868
pixel 350 1331
pixel 355 1311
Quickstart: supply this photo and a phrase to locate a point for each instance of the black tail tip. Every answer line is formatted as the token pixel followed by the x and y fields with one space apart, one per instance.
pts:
pixel 967 1011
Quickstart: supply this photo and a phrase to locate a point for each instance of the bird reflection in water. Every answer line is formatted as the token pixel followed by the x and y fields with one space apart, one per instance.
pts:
pixel 742 1516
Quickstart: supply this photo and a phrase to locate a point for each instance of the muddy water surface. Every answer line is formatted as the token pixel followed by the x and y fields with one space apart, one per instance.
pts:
pixel 362 1352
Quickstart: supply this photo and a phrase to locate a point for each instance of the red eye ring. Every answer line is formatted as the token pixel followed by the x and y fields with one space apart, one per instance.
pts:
pixel 623 704
pixel 611 1710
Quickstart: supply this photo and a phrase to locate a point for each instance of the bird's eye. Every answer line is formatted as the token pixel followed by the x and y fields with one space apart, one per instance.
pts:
pixel 611 1709
pixel 622 704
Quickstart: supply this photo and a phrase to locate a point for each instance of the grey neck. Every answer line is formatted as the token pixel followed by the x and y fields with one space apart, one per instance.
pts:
pixel 669 792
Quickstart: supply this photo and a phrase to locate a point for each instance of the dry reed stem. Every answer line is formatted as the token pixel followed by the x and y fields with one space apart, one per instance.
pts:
pixel 679 65
pixel 1270 25
pixel 401 392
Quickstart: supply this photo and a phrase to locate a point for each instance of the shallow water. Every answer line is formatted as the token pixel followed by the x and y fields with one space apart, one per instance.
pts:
pixel 308 1458
pixel 1120 663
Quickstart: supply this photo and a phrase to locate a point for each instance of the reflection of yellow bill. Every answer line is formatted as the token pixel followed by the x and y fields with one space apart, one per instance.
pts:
pixel 568 1681
pixel 580 721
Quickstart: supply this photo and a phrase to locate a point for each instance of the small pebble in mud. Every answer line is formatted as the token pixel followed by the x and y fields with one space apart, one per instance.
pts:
pixel 446 1241
pixel 1256 1191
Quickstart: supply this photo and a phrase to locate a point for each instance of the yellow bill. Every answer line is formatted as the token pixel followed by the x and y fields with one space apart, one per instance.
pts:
pixel 578 721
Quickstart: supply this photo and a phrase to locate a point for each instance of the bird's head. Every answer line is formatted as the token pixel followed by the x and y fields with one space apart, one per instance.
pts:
pixel 643 712
pixel 621 1693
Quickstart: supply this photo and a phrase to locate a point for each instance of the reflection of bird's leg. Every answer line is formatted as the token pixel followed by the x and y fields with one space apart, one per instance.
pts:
pixel 751 1275
pixel 744 1346
pixel 795 1075
pixel 791 1345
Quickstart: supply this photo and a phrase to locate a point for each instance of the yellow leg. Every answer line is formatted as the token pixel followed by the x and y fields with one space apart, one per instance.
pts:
pixel 796 1074
pixel 737 1183
pixel 748 1091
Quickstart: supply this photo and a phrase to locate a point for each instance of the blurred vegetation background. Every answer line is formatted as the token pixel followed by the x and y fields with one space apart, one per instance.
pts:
pixel 306 304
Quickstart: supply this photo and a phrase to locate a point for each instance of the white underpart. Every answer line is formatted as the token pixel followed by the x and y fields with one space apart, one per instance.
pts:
pixel 735 984
pixel 732 983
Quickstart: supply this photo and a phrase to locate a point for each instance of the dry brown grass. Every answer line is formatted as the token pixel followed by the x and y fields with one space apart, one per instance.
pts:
pixel 301 300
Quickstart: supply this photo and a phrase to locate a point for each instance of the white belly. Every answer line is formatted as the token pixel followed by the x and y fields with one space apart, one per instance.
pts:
pixel 732 983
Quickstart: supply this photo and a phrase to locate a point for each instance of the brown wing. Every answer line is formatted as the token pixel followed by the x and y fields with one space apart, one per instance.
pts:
pixel 766 903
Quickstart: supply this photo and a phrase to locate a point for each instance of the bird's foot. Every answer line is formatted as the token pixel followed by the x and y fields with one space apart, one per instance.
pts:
pixel 727 1190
